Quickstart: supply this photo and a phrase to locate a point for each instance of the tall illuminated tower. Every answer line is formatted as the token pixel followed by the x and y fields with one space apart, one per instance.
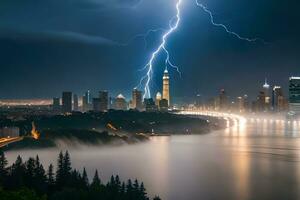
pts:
pixel 166 86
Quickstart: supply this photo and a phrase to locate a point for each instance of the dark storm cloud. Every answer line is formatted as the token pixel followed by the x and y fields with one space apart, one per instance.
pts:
pixel 63 36
pixel 47 46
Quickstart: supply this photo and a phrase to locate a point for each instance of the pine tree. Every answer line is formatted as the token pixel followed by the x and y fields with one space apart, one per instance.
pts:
pixel 40 178
pixel 30 173
pixel 67 165
pixel 129 189
pixel 16 179
pixel 50 175
pixel 96 180
pixel 136 189
pixel 3 168
pixel 85 180
pixel 60 171
pixel 142 192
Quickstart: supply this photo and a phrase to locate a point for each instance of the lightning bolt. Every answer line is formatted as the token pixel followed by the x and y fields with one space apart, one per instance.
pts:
pixel 173 25
pixel 212 20
pixel 142 35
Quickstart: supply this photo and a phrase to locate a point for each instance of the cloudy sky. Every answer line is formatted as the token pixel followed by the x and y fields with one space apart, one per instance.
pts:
pixel 47 46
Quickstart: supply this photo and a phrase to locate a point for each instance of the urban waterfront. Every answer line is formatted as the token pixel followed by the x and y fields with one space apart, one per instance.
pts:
pixel 250 160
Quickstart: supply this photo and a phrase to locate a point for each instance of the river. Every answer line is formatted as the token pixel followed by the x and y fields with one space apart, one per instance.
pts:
pixel 251 160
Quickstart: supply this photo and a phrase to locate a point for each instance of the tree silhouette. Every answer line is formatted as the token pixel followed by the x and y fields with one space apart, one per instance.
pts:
pixel 3 168
pixel 29 181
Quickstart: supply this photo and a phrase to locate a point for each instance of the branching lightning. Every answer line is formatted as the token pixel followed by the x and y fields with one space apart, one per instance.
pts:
pixel 142 35
pixel 173 25
pixel 212 20
pixel 174 22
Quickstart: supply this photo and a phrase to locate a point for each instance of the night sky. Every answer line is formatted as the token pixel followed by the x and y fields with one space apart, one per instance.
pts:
pixel 47 46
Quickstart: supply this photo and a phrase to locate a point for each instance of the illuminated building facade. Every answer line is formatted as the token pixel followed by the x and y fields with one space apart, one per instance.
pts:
pixel 120 103
pixel 137 99
pixel 294 95
pixel 166 86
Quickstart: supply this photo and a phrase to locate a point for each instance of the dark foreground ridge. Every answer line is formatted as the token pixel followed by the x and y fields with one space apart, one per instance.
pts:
pixel 29 181
pixel 112 127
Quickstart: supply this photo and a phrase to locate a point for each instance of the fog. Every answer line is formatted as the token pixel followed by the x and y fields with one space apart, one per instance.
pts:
pixel 251 160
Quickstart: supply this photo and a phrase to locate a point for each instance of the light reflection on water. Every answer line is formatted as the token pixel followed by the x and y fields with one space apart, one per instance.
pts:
pixel 254 159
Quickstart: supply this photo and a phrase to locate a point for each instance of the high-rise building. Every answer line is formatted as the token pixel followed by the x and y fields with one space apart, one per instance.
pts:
pixel 56 104
pixel 266 89
pixel 103 96
pixel 223 100
pixel 75 102
pixel 67 102
pixel 240 104
pixel 150 105
pixel 97 104
pixel 120 103
pixel 157 98
pixel 86 101
pixel 166 86
pixel 163 105
pixel 260 104
pixel 294 95
pixel 277 99
pixel 137 99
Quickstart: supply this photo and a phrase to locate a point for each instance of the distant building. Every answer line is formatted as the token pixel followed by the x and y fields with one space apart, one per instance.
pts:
pixel 260 104
pixel 163 105
pixel 120 103
pixel 67 102
pixel 9 132
pixel 278 101
pixel 86 101
pixel 56 104
pixel 294 95
pixel 103 96
pixel 158 97
pixel 97 104
pixel 223 100
pixel 266 90
pixel 150 105
pixel 75 103
pixel 240 104
pixel 166 86
pixel 137 99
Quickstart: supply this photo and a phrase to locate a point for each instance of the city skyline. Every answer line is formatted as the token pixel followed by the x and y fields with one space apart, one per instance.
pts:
pixel 89 57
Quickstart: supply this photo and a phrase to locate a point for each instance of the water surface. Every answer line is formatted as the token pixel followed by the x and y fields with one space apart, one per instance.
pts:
pixel 252 160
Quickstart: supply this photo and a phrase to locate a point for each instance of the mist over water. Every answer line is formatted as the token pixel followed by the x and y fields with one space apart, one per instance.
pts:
pixel 253 160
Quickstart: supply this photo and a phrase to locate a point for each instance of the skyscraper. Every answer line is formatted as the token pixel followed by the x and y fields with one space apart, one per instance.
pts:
pixel 266 88
pixel 120 103
pixel 223 100
pixel 278 100
pixel 86 101
pixel 137 99
pixel 103 97
pixel 67 102
pixel 150 105
pixel 294 95
pixel 96 104
pixel 166 86
pixel 56 104
pixel 75 102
